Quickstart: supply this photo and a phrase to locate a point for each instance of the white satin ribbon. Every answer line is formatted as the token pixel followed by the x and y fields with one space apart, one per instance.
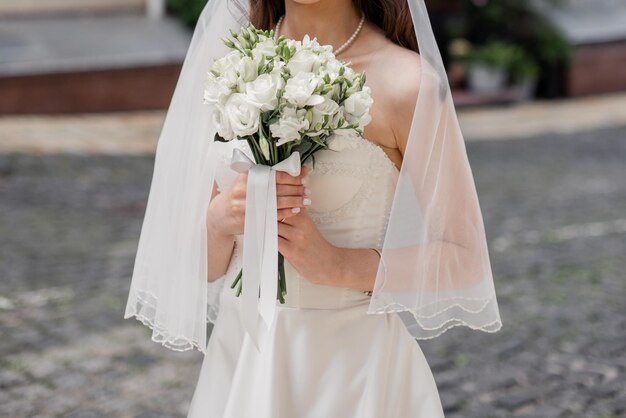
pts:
pixel 260 241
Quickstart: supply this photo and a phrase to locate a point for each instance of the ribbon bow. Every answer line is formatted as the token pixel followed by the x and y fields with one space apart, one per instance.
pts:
pixel 260 241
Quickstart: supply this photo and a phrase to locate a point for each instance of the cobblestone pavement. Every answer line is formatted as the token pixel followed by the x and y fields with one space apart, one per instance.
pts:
pixel 555 212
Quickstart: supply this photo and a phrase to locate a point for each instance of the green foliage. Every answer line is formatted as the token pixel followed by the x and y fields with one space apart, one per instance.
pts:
pixel 524 68
pixel 506 56
pixel 516 21
pixel 497 54
pixel 549 45
pixel 188 11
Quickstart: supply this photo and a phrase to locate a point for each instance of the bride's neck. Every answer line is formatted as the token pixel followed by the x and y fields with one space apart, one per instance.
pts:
pixel 330 21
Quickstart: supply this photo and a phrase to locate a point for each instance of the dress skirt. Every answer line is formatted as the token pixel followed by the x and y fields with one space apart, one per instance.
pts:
pixel 316 363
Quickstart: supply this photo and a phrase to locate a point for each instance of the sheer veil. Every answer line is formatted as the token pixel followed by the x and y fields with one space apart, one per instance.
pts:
pixel 434 271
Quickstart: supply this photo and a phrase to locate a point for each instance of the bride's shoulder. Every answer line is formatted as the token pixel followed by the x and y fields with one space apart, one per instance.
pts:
pixel 402 72
pixel 394 75
pixel 399 78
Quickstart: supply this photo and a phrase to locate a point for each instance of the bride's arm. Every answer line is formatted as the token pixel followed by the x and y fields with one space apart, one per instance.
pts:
pixel 320 262
pixel 220 241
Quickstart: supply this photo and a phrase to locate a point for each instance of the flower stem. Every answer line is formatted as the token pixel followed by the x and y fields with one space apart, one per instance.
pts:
pixel 282 282
pixel 237 279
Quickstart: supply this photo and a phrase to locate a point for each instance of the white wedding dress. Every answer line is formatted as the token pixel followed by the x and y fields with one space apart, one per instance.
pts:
pixel 325 357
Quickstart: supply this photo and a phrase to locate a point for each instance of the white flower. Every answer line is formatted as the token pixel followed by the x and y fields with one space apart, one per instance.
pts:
pixel 304 94
pixel 263 92
pixel 327 107
pixel 304 61
pixel 311 43
pixel 248 71
pixel 332 68
pixel 242 115
pixel 348 72
pixel 299 90
pixel 356 107
pixel 326 54
pixel 316 123
pixel 293 43
pixel 216 90
pixel 289 125
pixel 317 116
pixel 278 66
pixel 264 49
pixel 228 66
pixel 222 124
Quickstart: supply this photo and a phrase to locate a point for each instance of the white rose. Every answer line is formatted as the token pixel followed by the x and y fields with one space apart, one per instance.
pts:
pixel 304 61
pixel 357 106
pixel 278 66
pixel 327 107
pixel 289 125
pixel 222 124
pixel 216 90
pixel 263 92
pixel 228 66
pixel 242 115
pixel 264 49
pixel 299 90
pixel 337 116
pixel 332 68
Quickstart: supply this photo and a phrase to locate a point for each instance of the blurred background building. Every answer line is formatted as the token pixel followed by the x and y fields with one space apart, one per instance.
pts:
pixel 511 50
pixel 88 55
pixel 105 55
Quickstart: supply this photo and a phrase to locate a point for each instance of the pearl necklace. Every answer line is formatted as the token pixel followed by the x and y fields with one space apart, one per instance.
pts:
pixel 342 47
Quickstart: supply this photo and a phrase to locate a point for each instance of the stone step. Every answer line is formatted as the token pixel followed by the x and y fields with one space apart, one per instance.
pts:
pixel 69 44
pixel 89 62
pixel 30 8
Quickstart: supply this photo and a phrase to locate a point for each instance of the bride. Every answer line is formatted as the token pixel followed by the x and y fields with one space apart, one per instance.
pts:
pixel 382 234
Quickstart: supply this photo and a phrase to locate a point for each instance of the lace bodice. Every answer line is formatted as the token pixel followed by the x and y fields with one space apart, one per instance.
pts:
pixel 352 186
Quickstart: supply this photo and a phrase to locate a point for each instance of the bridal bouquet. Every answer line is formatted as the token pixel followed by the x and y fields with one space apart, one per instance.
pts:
pixel 283 96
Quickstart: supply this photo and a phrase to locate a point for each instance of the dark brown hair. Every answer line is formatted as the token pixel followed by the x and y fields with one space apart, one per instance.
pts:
pixel 392 16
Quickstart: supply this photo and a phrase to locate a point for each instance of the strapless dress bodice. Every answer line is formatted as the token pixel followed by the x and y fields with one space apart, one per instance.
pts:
pixel 352 187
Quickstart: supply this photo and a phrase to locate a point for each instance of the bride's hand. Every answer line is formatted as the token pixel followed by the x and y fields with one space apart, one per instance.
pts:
pixel 228 208
pixel 306 249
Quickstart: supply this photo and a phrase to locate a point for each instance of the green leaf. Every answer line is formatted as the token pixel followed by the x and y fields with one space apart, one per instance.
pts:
pixel 218 138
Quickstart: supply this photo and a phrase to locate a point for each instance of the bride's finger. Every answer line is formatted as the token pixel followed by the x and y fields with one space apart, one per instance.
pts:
pixel 283 202
pixel 285 178
pixel 286 231
pixel 289 190
pixel 287 213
